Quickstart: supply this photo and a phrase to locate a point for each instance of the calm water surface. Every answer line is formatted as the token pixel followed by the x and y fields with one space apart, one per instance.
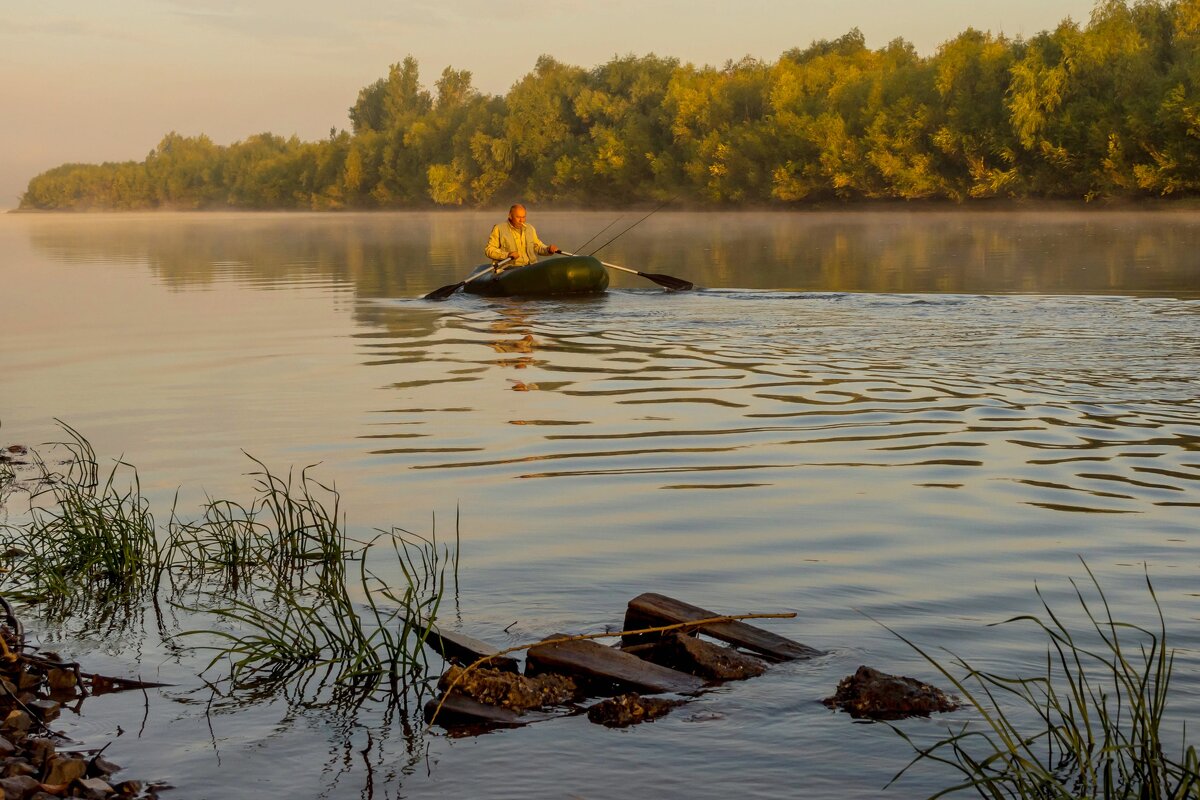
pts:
pixel 913 416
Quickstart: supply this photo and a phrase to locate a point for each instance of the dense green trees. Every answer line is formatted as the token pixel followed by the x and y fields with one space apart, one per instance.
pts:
pixel 1110 108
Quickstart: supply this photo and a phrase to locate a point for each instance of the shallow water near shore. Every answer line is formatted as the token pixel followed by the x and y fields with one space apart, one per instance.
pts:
pixel 872 417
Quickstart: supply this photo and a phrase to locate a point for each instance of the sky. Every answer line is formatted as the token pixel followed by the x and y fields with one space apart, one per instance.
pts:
pixel 92 81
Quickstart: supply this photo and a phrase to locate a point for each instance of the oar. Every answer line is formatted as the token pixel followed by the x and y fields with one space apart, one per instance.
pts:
pixel 446 291
pixel 666 281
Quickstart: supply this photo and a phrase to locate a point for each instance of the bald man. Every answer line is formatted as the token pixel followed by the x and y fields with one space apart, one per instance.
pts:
pixel 516 239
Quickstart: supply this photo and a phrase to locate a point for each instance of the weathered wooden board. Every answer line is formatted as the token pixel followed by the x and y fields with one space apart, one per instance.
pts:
pixel 602 667
pixel 461 710
pixel 652 610
pixel 461 648
pixel 701 657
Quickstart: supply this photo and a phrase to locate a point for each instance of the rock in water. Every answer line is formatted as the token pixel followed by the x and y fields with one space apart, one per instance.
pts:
pixel 629 709
pixel 871 694
pixel 509 690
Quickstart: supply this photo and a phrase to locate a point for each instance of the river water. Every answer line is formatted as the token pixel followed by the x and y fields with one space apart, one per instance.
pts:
pixel 910 420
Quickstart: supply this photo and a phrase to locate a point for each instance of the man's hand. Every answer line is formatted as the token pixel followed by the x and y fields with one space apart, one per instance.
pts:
pixel 552 249
pixel 513 255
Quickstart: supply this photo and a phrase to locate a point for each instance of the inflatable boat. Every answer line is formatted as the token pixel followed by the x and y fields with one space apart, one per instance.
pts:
pixel 556 275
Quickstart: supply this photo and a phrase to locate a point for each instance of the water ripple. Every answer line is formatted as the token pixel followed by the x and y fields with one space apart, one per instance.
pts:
pixel 1024 390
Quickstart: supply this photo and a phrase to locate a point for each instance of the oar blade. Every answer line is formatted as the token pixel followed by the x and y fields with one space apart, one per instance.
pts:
pixel 445 291
pixel 669 281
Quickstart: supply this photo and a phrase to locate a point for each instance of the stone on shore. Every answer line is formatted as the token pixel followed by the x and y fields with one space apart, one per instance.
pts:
pixel 94 787
pixel 46 710
pixel 18 786
pixel 17 722
pixel 64 769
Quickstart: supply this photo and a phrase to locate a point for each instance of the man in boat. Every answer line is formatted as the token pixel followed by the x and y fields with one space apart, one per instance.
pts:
pixel 516 239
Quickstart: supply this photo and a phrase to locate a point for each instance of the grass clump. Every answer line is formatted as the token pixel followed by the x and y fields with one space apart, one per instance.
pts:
pixel 86 531
pixel 298 613
pixel 291 525
pixel 1091 726
pixel 271 637
pixel 306 599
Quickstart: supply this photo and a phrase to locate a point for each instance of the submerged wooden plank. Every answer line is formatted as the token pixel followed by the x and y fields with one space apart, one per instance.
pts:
pixel 605 669
pixel 651 610
pixel 461 648
pixel 457 709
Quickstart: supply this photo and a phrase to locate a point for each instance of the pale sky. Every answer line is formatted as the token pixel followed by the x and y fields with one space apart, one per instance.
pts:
pixel 97 80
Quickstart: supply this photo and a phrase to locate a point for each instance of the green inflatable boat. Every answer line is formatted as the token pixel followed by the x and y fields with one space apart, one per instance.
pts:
pixel 557 275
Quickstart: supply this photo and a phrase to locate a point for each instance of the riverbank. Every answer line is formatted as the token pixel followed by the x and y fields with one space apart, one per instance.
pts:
pixel 37 761
pixel 989 204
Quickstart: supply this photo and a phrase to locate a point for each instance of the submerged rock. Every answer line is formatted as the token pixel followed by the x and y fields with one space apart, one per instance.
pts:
pixel 871 694
pixel 630 709
pixel 697 656
pixel 13 452
pixel 509 690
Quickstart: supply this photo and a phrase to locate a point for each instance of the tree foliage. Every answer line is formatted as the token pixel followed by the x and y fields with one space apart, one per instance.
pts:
pixel 1105 108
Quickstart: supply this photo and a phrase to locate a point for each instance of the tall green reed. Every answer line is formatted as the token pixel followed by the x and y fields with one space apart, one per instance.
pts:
pixel 1091 726
pixel 303 610
pixel 291 529
pixel 352 629
pixel 8 481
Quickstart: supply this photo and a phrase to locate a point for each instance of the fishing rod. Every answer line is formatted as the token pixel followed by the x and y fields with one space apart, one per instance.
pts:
pixel 602 230
pixel 666 281
pixel 631 227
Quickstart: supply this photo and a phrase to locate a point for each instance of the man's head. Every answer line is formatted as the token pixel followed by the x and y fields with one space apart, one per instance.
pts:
pixel 516 216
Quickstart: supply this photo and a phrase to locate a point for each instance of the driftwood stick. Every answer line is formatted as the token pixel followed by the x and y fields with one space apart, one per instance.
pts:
pixel 118 684
pixel 696 623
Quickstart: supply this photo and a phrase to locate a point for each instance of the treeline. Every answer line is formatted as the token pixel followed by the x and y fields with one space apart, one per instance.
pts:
pixel 1106 109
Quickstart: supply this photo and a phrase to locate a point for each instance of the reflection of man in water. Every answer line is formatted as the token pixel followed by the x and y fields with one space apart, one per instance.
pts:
pixel 516 239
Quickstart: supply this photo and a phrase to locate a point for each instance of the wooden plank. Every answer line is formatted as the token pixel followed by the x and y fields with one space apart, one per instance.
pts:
pixel 606 670
pixel 460 648
pixel 461 710
pixel 650 610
